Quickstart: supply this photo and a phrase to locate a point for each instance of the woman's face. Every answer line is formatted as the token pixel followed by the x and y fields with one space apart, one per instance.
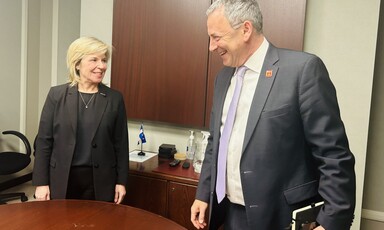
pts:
pixel 92 68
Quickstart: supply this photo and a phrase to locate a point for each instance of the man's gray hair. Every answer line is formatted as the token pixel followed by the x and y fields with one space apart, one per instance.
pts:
pixel 238 11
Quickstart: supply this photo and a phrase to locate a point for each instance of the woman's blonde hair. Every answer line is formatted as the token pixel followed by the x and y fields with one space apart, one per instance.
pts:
pixel 78 49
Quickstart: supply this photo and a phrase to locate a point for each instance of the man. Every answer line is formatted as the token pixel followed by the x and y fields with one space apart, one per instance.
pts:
pixel 287 145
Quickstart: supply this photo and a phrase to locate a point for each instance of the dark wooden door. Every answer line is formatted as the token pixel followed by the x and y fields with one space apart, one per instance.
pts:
pixel 147 193
pixel 180 200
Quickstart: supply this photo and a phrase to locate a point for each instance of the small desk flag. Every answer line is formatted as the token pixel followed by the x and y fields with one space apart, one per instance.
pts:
pixel 142 135
pixel 142 140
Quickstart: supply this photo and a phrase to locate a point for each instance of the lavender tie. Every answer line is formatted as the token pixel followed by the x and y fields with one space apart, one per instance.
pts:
pixel 225 136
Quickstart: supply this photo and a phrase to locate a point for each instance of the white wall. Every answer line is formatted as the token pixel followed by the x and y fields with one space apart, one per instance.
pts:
pixel 68 29
pixel 45 77
pixel 11 64
pixel 343 33
pixel 13 78
pixel 98 24
pixel 373 204
pixel 33 67
pixel 59 26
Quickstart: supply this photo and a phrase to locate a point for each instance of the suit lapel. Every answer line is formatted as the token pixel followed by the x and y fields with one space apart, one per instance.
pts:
pixel 264 85
pixel 102 101
pixel 72 99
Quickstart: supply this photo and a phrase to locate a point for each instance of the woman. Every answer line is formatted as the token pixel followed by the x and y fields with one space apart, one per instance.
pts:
pixel 82 143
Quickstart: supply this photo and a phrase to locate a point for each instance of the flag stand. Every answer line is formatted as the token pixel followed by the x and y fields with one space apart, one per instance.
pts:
pixel 141 153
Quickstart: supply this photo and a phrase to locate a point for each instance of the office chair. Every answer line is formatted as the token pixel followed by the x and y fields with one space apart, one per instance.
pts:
pixel 13 162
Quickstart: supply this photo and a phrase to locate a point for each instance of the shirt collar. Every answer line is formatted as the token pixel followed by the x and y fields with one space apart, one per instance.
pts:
pixel 256 60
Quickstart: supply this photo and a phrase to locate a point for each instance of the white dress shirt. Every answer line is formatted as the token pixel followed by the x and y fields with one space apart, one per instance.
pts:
pixel 254 63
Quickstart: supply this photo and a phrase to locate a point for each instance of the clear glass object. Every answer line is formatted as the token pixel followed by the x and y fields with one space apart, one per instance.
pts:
pixel 191 147
pixel 200 152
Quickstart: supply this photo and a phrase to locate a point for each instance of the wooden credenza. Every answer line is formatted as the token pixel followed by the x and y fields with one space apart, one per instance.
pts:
pixel 168 191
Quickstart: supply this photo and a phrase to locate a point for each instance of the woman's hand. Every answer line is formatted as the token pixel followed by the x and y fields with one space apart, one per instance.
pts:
pixel 119 193
pixel 42 193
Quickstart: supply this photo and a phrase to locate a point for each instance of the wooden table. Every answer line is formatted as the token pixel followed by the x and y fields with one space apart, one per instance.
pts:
pixel 79 214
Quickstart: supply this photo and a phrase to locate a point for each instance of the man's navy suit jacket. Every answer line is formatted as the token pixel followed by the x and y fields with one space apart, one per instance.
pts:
pixel 295 147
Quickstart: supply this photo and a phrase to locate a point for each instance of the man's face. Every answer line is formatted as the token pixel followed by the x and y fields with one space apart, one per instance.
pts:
pixel 224 40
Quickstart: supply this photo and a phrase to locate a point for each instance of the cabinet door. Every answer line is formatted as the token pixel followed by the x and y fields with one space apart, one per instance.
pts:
pixel 147 193
pixel 180 200
pixel 160 59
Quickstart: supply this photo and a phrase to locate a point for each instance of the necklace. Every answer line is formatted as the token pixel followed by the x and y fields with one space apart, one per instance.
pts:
pixel 86 104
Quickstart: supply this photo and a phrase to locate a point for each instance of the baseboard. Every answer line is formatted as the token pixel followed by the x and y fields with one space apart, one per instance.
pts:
pixel 372 215
pixel 15 181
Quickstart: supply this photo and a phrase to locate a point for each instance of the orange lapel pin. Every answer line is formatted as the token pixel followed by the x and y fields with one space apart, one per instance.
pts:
pixel 268 73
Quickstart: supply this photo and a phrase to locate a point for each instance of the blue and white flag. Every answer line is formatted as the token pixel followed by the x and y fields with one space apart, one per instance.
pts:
pixel 142 135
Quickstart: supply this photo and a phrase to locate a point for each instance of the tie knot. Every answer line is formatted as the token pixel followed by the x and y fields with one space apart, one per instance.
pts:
pixel 241 70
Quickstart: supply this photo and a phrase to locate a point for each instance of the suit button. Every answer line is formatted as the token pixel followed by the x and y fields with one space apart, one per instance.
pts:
pixel 94 145
pixel 95 165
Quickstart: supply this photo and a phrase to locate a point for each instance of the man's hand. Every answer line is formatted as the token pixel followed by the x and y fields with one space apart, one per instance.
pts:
pixel 198 214
pixel 319 228
pixel 119 193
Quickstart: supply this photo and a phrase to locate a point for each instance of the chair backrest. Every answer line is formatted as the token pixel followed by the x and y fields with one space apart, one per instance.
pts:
pixel 14 161
pixel 23 138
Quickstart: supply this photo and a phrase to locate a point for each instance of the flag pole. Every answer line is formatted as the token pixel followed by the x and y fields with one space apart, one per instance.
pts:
pixel 141 153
